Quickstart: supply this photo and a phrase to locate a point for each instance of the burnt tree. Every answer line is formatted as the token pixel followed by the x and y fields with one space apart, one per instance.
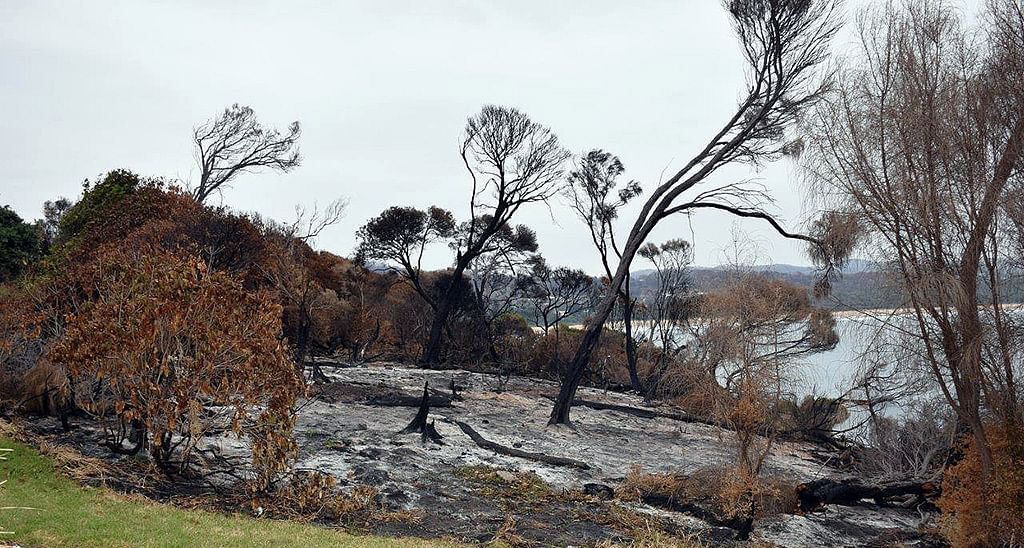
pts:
pixel 236 142
pixel 512 162
pixel 783 42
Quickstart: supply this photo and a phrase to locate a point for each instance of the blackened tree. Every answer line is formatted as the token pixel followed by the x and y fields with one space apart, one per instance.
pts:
pixel 236 142
pixel 783 42
pixel 554 294
pixel 594 194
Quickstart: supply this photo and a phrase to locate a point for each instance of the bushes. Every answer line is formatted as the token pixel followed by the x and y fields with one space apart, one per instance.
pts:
pixel 19 340
pixel 984 511
pixel 19 244
pixel 164 338
pixel 314 496
pixel 723 495
pixel 813 417
pixel 913 448
pixel 97 202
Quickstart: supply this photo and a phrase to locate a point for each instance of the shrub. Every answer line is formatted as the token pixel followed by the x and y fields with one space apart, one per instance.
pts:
pixel 912 448
pixel 97 201
pixel 166 336
pixel 16 337
pixel 45 389
pixel 813 417
pixel 19 244
pixel 315 496
pixel 729 494
pixel 986 511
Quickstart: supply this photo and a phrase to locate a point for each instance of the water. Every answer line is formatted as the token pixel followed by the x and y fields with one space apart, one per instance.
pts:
pixel 832 373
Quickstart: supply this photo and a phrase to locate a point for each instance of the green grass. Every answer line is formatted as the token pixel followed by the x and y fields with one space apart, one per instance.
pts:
pixel 70 515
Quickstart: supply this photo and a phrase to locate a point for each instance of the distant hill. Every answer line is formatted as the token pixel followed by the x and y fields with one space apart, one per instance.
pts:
pixel 861 285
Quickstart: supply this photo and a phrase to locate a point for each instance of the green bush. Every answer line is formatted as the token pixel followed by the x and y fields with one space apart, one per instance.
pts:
pixel 96 199
pixel 19 244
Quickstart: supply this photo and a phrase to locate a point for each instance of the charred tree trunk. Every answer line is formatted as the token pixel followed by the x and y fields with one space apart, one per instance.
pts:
pixel 432 351
pixel 455 391
pixel 574 375
pixel 419 423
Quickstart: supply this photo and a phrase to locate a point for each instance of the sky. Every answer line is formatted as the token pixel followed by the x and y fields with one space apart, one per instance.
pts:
pixel 382 91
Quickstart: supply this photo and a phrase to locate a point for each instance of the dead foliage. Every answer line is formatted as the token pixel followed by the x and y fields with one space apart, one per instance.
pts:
pixel 506 535
pixel 643 531
pixel 315 496
pixel 723 493
pixel 986 513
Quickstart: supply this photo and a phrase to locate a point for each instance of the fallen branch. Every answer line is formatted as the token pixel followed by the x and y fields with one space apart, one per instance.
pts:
pixel 818 437
pixel 648 413
pixel 512 452
pixel 404 400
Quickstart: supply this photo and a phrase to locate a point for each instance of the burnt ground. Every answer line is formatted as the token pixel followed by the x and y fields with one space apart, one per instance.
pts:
pixel 350 428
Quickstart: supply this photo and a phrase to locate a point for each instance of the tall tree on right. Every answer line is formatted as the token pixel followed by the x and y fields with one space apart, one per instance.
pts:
pixel 922 144
pixel 783 44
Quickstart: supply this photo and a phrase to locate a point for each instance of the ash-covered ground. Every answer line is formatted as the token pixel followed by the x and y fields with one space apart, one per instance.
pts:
pixel 351 428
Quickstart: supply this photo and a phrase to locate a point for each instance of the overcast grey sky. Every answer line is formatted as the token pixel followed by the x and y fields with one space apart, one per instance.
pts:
pixel 382 90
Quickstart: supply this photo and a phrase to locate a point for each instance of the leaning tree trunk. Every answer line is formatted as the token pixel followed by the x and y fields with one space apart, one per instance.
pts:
pixel 592 334
pixel 571 382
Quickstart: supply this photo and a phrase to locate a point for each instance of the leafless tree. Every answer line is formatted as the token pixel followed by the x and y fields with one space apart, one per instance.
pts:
pixel 310 222
pixel 287 271
pixel 921 144
pixel 783 42
pixel 236 142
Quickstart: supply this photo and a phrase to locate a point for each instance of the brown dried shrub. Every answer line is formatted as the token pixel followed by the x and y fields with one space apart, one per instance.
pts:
pixel 44 389
pixel 724 491
pixel 315 496
pixel 980 510
pixel 162 338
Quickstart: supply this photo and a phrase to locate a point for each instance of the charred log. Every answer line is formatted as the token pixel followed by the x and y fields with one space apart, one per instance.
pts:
pixel 513 452
pixel 404 400
pixel 647 413
pixel 851 492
